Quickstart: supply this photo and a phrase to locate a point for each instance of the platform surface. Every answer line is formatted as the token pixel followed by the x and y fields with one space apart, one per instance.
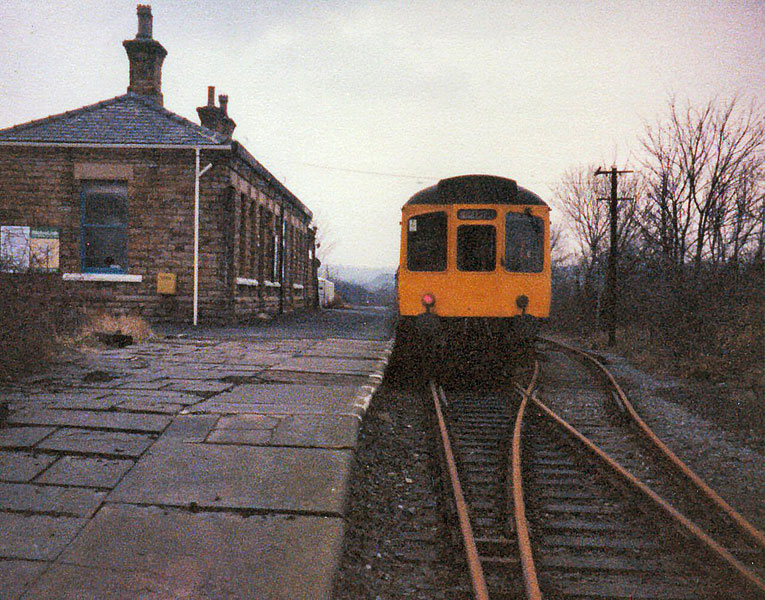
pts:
pixel 208 464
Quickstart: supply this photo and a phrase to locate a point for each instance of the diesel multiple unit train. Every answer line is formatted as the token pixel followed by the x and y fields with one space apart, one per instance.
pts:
pixel 475 267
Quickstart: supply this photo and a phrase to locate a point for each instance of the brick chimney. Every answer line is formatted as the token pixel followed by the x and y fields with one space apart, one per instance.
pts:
pixel 146 55
pixel 216 117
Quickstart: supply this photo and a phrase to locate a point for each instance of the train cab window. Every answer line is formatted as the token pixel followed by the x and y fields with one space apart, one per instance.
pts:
pixel 524 243
pixel 426 242
pixel 476 247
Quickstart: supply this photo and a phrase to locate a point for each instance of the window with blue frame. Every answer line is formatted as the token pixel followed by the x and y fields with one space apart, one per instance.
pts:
pixel 104 227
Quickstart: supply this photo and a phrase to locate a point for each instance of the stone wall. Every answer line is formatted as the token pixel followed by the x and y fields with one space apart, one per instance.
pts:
pixel 40 187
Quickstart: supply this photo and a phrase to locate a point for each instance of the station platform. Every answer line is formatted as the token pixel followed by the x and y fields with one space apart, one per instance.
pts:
pixel 208 464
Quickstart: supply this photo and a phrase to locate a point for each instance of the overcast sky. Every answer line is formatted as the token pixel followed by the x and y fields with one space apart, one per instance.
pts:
pixel 355 106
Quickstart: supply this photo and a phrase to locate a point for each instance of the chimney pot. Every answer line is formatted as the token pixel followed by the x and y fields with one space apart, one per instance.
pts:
pixel 145 55
pixel 144 22
pixel 216 117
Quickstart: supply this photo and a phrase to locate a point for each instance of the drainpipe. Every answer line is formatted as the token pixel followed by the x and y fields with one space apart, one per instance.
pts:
pixel 197 176
pixel 281 261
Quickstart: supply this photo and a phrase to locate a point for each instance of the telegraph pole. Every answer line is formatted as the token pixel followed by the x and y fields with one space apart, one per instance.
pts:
pixel 612 254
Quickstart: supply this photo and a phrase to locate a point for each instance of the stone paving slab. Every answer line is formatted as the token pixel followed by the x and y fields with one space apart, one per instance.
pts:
pixel 186 429
pixel 97 419
pixel 22 466
pixel 16 574
pixel 281 398
pixel 151 406
pixel 86 441
pixel 317 431
pixel 241 437
pixel 75 399
pixel 239 477
pixel 21 437
pixel 36 537
pixel 358 349
pixel 186 468
pixel 154 385
pixel 329 365
pixel 117 397
pixel 301 377
pixel 197 386
pixel 73 502
pixel 139 553
pixel 85 471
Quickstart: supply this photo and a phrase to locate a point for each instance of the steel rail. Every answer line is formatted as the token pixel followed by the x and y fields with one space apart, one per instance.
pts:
pixel 471 551
pixel 749 530
pixel 684 524
pixel 528 567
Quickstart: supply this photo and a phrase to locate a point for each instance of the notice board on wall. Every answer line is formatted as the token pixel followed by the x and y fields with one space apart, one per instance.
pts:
pixel 43 249
pixel 23 248
pixel 14 248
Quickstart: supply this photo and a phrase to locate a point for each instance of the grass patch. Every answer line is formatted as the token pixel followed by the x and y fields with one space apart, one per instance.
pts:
pixel 86 336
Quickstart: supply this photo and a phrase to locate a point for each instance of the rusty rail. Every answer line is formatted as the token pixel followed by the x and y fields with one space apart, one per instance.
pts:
pixel 530 580
pixel 684 524
pixel 471 551
pixel 750 531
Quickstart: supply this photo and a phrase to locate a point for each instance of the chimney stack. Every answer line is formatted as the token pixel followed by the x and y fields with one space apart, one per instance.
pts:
pixel 145 55
pixel 216 117
pixel 144 22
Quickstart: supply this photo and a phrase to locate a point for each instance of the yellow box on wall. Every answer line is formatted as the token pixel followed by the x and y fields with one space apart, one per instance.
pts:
pixel 166 283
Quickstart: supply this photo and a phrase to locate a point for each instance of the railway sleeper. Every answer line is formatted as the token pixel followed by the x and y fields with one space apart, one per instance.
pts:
pixel 617 588
pixel 620 543
pixel 496 545
pixel 564 561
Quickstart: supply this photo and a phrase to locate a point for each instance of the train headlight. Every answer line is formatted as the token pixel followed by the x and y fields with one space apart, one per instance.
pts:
pixel 428 300
pixel 522 302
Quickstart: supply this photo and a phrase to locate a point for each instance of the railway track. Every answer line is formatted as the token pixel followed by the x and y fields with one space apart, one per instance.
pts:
pixel 473 430
pixel 591 507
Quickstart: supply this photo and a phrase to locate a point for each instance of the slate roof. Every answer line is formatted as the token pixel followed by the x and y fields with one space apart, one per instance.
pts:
pixel 127 119
pixel 265 174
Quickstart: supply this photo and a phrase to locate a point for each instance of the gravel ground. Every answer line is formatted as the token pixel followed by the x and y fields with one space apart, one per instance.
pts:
pixel 720 438
pixel 393 549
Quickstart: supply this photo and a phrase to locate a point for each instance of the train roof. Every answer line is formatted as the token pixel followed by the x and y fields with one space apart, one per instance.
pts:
pixel 476 189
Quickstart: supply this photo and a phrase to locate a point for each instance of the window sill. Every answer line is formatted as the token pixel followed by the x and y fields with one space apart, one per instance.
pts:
pixel 246 281
pixel 110 277
pixel 274 284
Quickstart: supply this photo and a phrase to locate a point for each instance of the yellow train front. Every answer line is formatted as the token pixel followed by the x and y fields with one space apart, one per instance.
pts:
pixel 475 266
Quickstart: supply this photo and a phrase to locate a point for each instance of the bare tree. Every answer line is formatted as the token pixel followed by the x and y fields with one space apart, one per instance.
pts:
pixel 587 218
pixel 325 238
pixel 558 250
pixel 704 171
pixel 582 198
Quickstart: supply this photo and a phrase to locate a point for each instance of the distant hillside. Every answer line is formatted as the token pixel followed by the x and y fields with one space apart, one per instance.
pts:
pixel 368 277
pixel 362 285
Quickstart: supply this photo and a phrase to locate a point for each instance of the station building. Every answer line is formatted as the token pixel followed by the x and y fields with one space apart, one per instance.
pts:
pixel 106 196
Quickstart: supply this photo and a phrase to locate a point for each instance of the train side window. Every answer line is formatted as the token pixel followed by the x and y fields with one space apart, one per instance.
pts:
pixel 476 247
pixel 524 243
pixel 426 242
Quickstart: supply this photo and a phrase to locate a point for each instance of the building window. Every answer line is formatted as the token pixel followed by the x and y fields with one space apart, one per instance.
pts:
pixel 243 236
pixel 265 240
pixel 276 242
pixel 254 241
pixel 104 240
